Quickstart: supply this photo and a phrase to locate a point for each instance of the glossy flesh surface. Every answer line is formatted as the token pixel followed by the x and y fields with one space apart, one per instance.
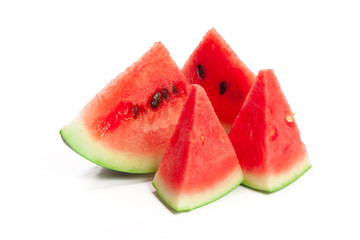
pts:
pixel 225 78
pixel 200 164
pixel 266 137
pixel 133 117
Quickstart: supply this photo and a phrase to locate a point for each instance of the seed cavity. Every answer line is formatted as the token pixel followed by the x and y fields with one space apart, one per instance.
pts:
pixel 135 111
pixel 175 91
pixel 121 113
pixel 166 94
pixel 202 139
pixel 289 119
pixel 155 100
pixel 273 134
pixel 200 71
pixel 222 88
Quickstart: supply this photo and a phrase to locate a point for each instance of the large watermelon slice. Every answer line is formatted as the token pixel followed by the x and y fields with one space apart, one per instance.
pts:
pixel 225 78
pixel 200 164
pixel 266 137
pixel 127 125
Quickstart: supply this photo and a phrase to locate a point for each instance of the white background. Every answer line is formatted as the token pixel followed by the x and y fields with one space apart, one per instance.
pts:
pixel 54 57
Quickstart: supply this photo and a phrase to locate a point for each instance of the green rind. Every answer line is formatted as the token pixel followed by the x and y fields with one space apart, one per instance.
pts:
pixel 227 127
pixel 164 199
pixel 216 197
pixel 276 188
pixel 76 137
pixel 189 209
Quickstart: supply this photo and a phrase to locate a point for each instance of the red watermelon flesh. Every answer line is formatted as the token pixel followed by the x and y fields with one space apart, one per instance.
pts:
pixel 127 125
pixel 266 137
pixel 200 164
pixel 225 78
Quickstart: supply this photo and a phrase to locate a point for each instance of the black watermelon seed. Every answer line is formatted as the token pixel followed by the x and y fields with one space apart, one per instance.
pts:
pixel 166 94
pixel 200 71
pixel 175 91
pixel 155 100
pixel 222 88
pixel 135 111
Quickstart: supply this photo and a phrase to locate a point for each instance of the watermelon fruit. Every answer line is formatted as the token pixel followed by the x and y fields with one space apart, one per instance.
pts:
pixel 266 137
pixel 200 164
pixel 127 126
pixel 225 78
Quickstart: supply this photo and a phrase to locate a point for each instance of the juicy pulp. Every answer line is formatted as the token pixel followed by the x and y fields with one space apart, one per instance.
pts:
pixel 225 78
pixel 127 126
pixel 200 164
pixel 266 137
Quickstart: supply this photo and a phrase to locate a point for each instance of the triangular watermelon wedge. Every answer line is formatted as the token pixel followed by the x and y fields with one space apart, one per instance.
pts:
pixel 127 125
pixel 266 137
pixel 226 79
pixel 200 164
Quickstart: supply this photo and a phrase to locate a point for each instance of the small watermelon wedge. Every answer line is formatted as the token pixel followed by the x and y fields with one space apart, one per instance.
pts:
pixel 266 137
pixel 225 78
pixel 200 164
pixel 127 126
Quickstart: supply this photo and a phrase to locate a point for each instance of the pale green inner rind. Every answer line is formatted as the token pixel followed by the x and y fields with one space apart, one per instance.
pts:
pixel 181 201
pixel 76 136
pixel 272 183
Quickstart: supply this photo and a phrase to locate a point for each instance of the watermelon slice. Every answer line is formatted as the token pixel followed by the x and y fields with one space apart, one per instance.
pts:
pixel 200 164
pixel 225 78
pixel 266 137
pixel 127 125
